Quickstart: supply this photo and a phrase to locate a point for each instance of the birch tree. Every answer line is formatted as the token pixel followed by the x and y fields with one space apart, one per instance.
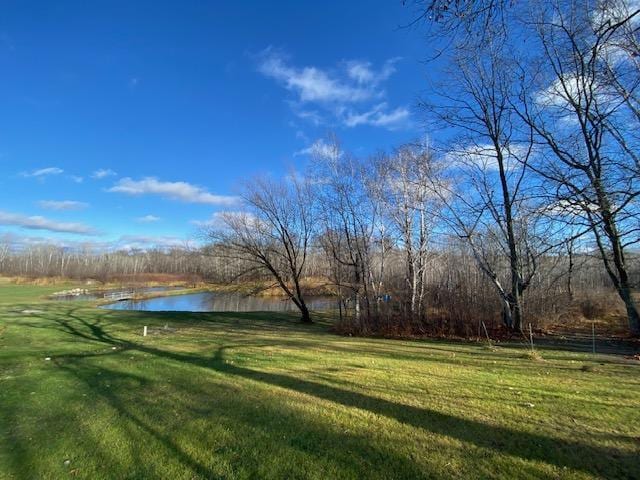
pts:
pixel 410 207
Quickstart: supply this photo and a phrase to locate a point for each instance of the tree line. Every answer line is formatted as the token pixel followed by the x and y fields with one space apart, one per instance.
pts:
pixel 523 203
pixel 539 105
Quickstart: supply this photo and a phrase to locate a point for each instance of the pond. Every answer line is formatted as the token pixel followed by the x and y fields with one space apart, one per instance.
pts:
pixel 219 302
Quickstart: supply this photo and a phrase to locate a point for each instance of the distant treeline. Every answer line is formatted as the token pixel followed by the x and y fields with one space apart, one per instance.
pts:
pixel 455 296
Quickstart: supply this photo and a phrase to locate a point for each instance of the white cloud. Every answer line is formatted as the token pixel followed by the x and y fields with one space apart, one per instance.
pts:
pixel 214 221
pixel 561 91
pixel 312 84
pixel 339 94
pixel 360 71
pixel 43 172
pixel 321 149
pixel 573 208
pixel 103 173
pixel 148 219
pixel 607 13
pixel 62 204
pixel 484 156
pixel 312 116
pixel 42 223
pixel 559 96
pixel 221 220
pixel 364 73
pixel 76 178
pixel 379 116
pixel 18 242
pixel 144 242
pixel 125 242
pixel 182 191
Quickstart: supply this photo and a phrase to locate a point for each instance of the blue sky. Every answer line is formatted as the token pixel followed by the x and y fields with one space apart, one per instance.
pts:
pixel 129 122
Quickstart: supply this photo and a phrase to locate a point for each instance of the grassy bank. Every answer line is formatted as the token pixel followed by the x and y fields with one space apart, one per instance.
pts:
pixel 260 396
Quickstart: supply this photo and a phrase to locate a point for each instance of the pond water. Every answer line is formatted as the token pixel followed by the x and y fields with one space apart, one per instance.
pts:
pixel 219 302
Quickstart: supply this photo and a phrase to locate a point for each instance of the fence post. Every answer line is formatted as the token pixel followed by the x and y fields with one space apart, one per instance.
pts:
pixel 531 336
pixel 486 333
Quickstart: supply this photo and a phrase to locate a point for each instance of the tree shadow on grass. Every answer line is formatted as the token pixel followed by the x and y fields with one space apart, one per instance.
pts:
pixel 281 429
pixel 562 453
pixel 528 446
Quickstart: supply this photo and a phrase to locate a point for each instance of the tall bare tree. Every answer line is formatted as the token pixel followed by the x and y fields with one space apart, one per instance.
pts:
pixel 405 180
pixel 273 233
pixel 580 101
pixel 490 156
pixel 349 215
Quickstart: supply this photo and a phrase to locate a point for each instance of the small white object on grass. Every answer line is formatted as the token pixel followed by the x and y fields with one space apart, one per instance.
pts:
pixel 530 405
pixel 144 331
pixel 114 348
pixel 47 358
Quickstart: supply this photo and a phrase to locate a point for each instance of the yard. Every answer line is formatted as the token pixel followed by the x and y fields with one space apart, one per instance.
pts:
pixel 83 394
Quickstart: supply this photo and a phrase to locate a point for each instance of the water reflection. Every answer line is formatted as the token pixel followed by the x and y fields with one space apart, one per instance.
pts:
pixel 219 302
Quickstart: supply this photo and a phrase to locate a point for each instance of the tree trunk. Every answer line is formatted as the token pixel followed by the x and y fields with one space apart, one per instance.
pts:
pixel 619 276
pixel 632 310
pixel 516 309
pixel 306 317
pixel 570 272
pixel 515 301
pixel 507 317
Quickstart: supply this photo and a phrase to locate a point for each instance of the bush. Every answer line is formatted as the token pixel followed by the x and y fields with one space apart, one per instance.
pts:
pixel 593 307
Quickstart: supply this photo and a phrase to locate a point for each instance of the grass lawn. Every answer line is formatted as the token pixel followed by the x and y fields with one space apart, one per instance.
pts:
pixel 260 396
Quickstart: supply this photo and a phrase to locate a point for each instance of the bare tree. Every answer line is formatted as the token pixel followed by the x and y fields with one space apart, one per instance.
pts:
pixel 273 233
pixel 410 207
pixel 490 155
pixel 349 215
pixel 580 101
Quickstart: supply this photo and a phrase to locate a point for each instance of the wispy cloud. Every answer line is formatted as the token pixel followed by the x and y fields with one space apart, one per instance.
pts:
pixel 42 223
pixel 311 84
pixel 125 242
pixel 379 116
pixel 349 94
pixel 365 74
pixel 214 221
pixel 182 191
pixel 484 156
pixel 321 149
pixel 43 172
pixel 144 242
pixel 219 220
pixel 76 178
pixel 103 173
pixel 62 204
pixel 148 219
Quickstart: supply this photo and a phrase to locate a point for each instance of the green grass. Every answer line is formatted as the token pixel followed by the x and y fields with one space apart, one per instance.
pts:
pixel 260 396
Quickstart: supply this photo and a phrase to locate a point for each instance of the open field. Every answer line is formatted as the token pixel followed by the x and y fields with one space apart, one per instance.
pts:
pixel 260 396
